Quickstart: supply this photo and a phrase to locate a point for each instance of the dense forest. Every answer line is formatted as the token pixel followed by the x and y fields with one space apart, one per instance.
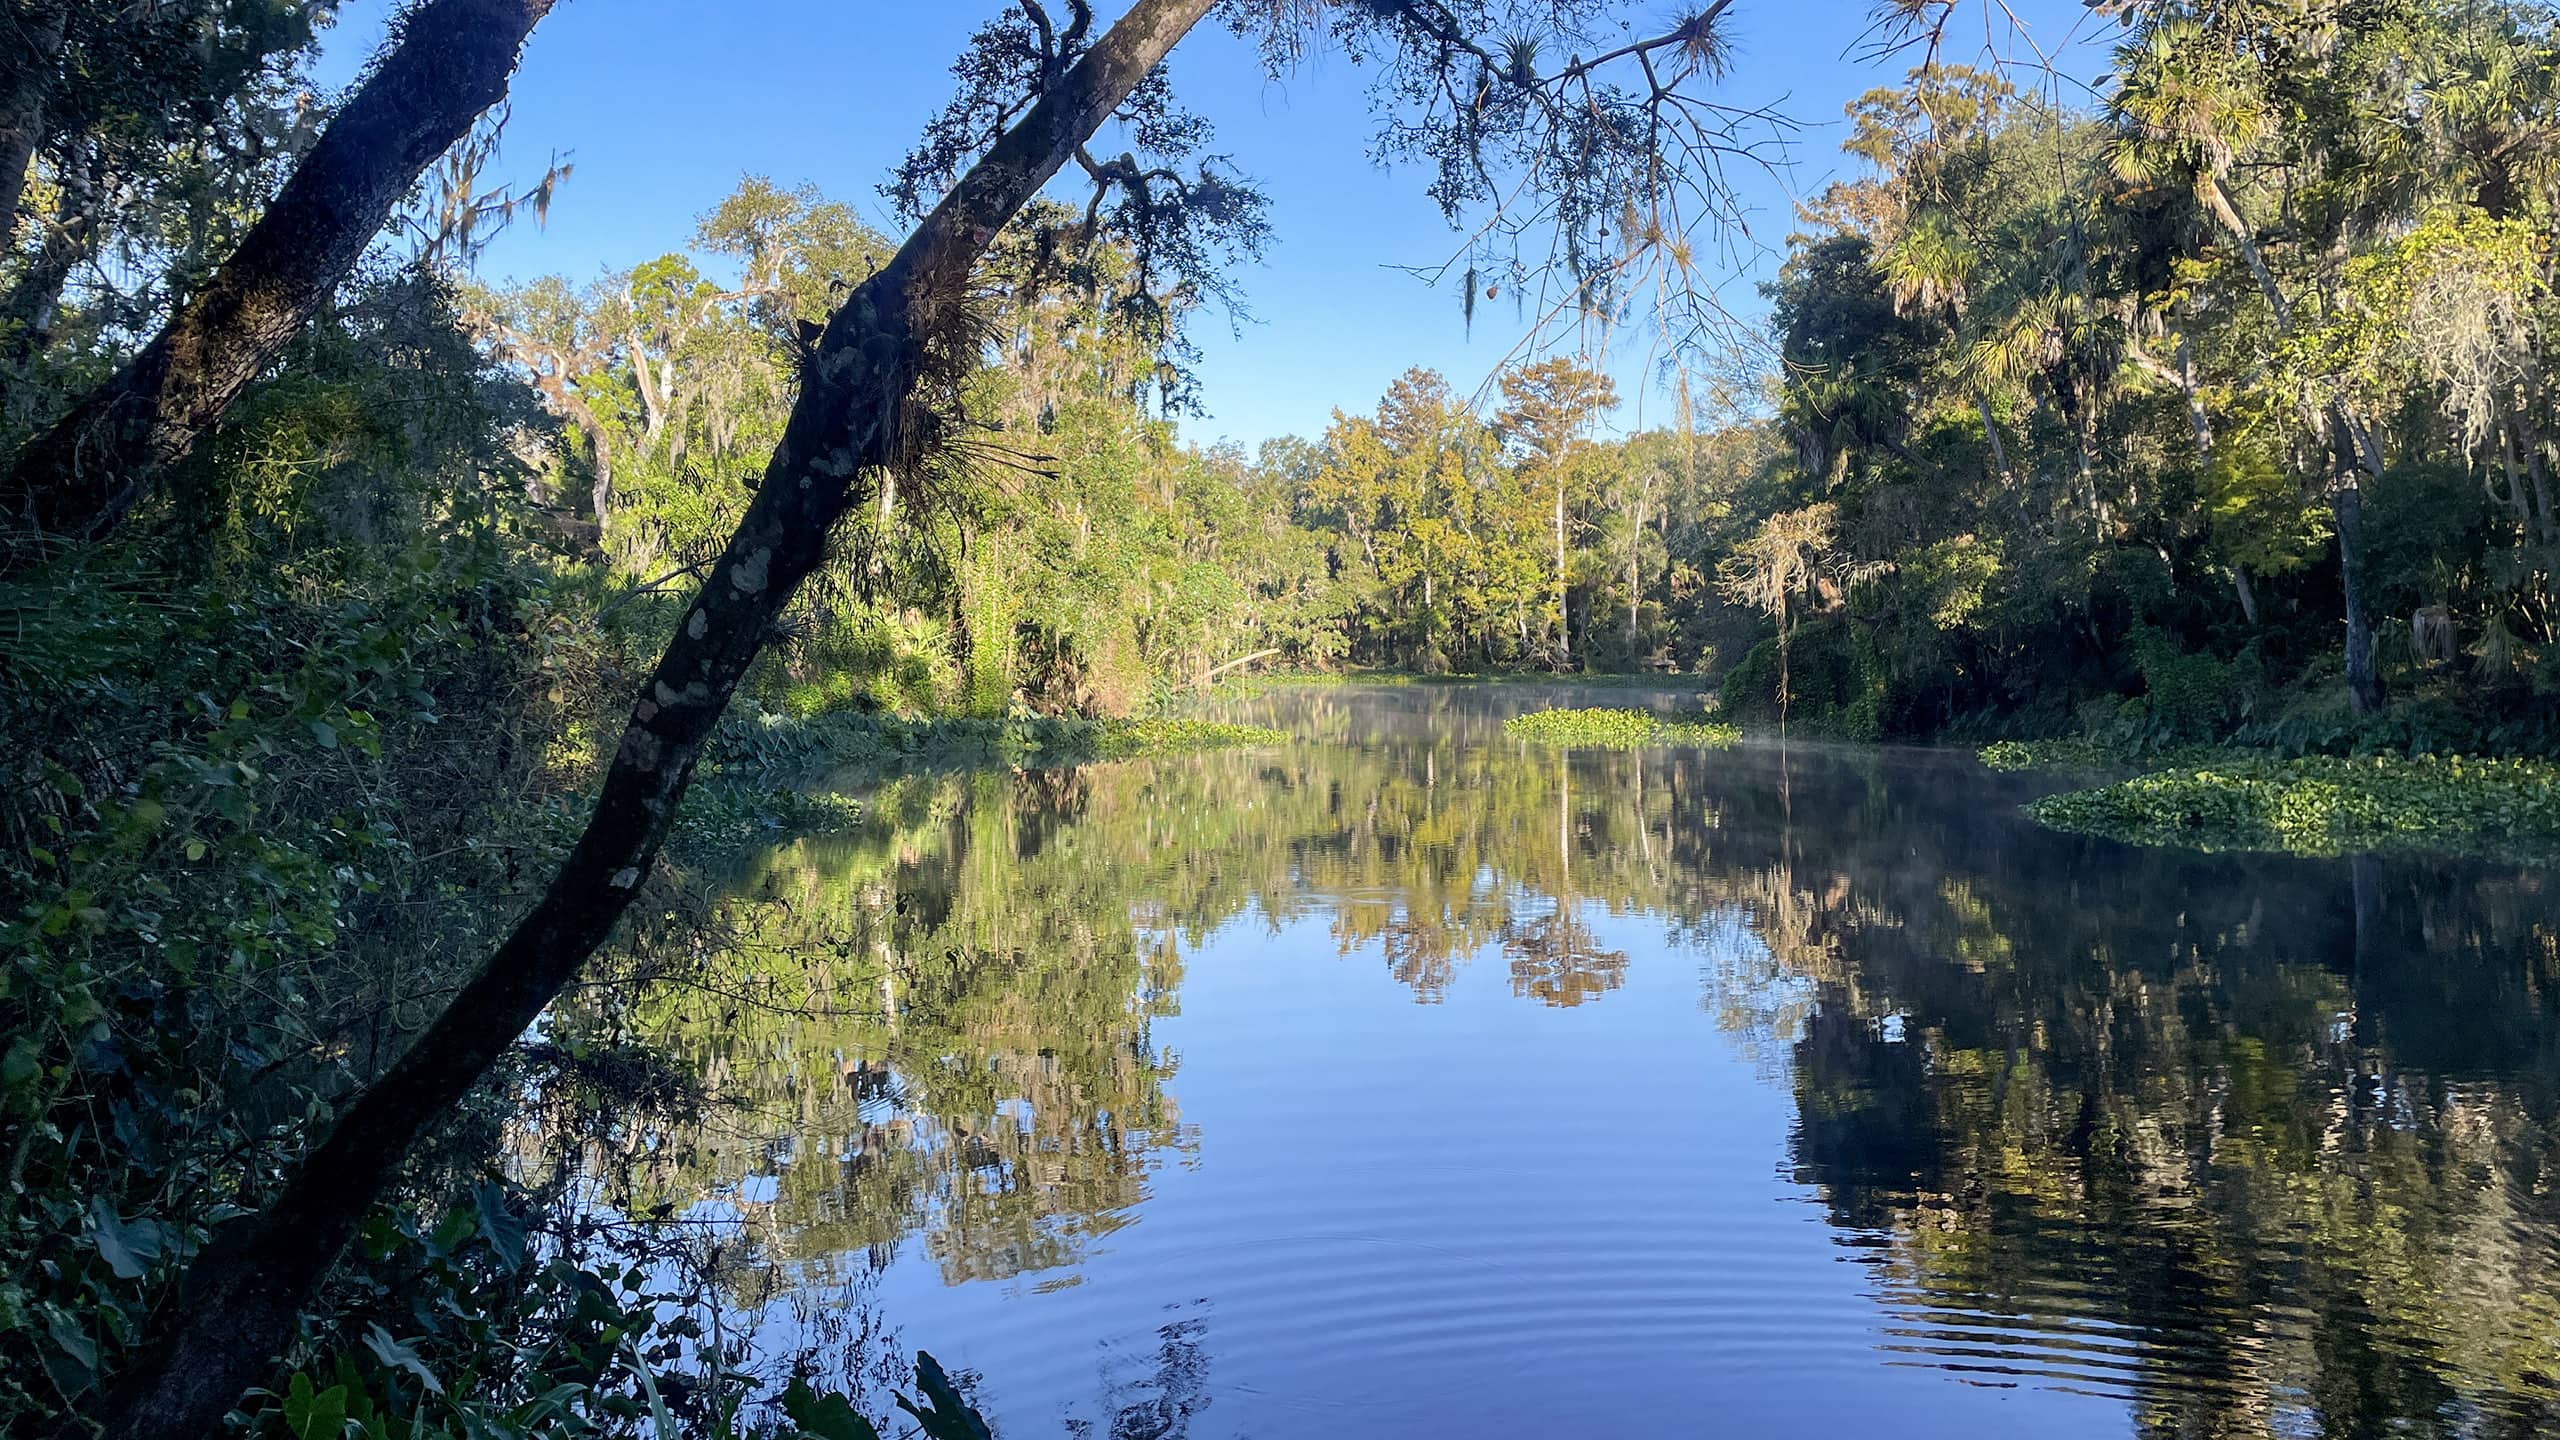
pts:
pixel 2213 400
pixel 369 619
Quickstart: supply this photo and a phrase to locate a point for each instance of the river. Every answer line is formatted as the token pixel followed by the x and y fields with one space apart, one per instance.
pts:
pixel 1410 1080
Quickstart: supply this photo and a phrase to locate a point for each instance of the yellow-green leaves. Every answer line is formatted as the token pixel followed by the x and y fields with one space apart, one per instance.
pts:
pixel 2326 805
pixel 1615 729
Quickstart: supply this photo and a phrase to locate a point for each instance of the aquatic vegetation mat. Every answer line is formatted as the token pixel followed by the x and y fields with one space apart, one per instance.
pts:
pixel 1616 729
pixel 2015 755
pixel 779 746
pixel 2326 805
pixel 1123 739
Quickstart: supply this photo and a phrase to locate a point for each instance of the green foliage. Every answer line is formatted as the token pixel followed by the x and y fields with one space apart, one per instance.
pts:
pixel 1600 729
pixel 481 1326
pixel 2187 696
pixel 1125 739
pixel 2257 515
pixel 2097 754
pixel 2323 805
pixel 2066 402
pixel 2014 755
pixel 764 747
pixel 867 657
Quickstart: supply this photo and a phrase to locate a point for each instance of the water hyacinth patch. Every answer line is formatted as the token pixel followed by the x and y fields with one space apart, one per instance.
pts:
pixel 2100 755
pixel 2326 805
pixel 1615 729
pixel 1124 739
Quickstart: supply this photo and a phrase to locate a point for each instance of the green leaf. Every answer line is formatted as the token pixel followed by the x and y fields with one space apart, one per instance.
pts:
pixel 20 1067
pixel 72 1359
pixel 401 1357
pixel 505 1231
pixel 73 1341
pixel 315 1416
pixel 325 733
pixel 826 1417
pixel 129 1250
pixel 658 1416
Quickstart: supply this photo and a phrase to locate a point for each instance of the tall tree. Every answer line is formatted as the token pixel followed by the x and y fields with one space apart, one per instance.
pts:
pixel 1794 552
pixel 2190 106
pixel 82 475
pixel 1548 410
pixel 872 398
pixel 880 394
pixel 31 35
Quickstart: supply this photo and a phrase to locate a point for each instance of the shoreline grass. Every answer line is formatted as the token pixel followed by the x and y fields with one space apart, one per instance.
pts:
pixel 756 781
pixel 780 745
pixel 1248 686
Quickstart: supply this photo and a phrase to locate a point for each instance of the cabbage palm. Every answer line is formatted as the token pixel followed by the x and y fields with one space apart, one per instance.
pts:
pixel 1930 270
pixel 2184 115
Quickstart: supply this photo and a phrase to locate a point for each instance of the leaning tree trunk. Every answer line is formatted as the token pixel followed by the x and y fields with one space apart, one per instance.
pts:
pixel 1999 448
pixel 80 477
pixel 2217 203
pixel 858 412
pixel 31 36
pixel 34 300
pixel 2200 427
pixel 2547 523
pixel 2346 508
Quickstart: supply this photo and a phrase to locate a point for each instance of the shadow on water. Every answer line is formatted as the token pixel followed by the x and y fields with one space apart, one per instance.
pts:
pixel 2227 1145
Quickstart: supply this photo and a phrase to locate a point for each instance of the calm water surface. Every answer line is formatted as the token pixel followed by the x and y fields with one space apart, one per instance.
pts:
pixel 1410 1081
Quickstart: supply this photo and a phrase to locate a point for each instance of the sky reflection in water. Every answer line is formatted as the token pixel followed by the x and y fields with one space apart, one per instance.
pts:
pixel 1413 1081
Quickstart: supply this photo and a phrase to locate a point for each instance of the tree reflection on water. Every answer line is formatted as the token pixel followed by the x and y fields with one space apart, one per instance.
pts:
pixel 2258 1144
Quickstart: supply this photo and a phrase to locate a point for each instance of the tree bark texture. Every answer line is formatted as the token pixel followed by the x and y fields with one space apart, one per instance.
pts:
pixel 1564 622
pixel 82 475
pixel 856 415
pixel 31 33
pixel 1999 448
pixel 34 300
pixel 2346 508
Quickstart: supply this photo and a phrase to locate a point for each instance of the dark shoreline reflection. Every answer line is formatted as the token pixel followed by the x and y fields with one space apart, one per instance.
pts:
pixel 2251 1144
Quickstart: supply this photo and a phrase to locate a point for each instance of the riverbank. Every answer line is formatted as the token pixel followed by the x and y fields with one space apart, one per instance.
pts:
pixel 761 747
pixel 1245 687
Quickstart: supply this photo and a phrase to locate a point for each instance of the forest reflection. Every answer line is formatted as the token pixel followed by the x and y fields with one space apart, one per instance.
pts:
pixel 2256 1144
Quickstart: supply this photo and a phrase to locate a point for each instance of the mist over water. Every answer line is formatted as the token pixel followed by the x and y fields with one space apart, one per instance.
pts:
pixel 1412 1080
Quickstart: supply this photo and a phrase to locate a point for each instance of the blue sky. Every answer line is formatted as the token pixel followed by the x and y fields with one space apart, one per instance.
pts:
pixel 663 104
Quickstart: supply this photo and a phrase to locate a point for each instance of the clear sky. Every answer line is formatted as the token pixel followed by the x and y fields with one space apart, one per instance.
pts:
pixel 663 104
